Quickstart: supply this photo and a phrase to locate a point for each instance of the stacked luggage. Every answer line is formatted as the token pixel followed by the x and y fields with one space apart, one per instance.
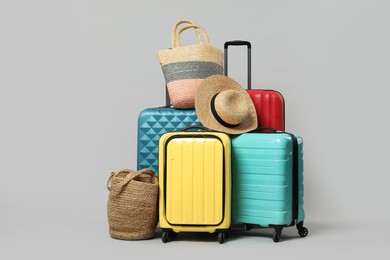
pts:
pixel 267 166
pixel 225 158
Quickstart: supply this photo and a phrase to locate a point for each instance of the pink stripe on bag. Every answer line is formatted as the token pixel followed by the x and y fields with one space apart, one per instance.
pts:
pixel 182 92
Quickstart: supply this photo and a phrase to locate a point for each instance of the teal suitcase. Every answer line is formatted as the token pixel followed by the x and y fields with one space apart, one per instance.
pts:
pixel 267 179
pixel 154 122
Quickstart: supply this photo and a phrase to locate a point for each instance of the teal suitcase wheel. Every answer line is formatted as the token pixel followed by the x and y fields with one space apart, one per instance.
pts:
pixel 303 231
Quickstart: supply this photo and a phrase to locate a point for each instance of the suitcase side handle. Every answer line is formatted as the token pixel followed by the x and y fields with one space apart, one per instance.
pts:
pixel 238 43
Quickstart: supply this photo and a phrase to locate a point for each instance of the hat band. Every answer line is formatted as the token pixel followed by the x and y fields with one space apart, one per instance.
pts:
pixel 215 114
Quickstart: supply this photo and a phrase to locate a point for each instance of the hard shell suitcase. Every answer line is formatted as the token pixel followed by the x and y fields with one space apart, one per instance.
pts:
pixel 269 104
pixel 267 175
pixel 194 183
pixel 152 123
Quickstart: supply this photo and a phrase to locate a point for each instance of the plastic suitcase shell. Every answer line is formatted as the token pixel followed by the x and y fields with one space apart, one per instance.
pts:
pixel 152 123
pixel 269 104
pixel 194 183
pixel 267 174
pixel 270 108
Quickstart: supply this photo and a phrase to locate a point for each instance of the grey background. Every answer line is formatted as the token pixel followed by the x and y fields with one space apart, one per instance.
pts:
pixel 74 76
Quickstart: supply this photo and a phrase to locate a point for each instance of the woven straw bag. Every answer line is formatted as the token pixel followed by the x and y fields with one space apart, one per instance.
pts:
pixel 132 204
pixel 185 67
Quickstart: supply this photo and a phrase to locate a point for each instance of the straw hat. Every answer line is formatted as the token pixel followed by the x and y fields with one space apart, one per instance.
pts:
pixel 222 104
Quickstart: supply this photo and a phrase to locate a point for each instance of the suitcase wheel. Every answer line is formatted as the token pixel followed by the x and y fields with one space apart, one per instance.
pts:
pixel 167 236
pixel 248 227
pixel 277 233
pixel 222 236
pixel 302 231
pixel 276 236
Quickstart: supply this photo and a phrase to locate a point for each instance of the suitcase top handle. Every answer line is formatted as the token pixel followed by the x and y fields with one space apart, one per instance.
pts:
pixel 193 127
pixel 264 129
pixel 238 43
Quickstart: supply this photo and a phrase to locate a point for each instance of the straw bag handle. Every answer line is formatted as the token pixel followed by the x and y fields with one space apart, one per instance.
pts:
pixel 174 29
pixel 177 40
pixel 116 173
pixel 129 176
pixel 146 171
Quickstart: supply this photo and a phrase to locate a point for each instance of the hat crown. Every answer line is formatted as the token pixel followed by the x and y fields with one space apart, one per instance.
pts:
pixel 231 106
pixel 223 105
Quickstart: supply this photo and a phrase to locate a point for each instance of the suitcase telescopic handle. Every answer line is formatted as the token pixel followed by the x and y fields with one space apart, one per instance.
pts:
pixel 167 99
pixel 238 43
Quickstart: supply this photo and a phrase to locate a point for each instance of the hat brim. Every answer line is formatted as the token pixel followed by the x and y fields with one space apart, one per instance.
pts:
pixel 216 84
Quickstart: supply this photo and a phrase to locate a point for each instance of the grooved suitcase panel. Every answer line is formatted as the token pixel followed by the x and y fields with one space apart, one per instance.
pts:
pixel 152 123
pixel 194 177
pixel 262 179
pixel 270 108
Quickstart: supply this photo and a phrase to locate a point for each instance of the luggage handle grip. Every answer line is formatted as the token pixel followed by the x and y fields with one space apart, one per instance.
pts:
pixel 262 128
pixel 238 43
pixel 195 127
pixel 130 175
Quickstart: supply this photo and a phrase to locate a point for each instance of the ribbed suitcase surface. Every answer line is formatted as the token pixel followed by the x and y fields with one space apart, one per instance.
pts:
pixel 194 178
pixel 152 123
pixel 270 108
pixel 263 180
pixel 194 183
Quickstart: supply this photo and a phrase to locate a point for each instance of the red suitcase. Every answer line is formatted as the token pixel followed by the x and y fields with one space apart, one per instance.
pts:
pixel 269 104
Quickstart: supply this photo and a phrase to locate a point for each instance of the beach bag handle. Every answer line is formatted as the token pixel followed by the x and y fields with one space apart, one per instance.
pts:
pixel 176 40
pixel 174 31
pixel 130 176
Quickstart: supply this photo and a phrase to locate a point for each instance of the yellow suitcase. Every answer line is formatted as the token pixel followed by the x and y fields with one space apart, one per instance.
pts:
pixel 194 183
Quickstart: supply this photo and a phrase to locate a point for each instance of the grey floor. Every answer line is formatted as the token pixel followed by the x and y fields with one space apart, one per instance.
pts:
pixel 77 238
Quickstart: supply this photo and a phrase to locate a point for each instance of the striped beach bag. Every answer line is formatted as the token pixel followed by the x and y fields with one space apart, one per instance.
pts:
pixel 185 67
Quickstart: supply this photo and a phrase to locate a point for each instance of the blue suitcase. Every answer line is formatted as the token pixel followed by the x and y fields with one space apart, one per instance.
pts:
pixel 267 179
pixel 152 123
